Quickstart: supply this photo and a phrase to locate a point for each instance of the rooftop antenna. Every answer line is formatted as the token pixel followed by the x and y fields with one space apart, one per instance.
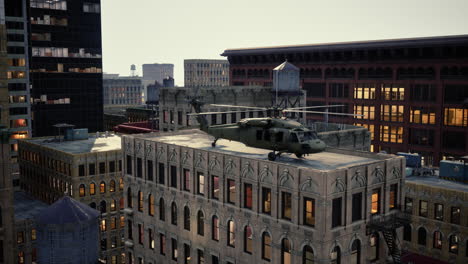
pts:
pixel 133 69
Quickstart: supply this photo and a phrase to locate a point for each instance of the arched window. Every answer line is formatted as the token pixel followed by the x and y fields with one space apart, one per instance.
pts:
pixel 231 238
pixel 407 232
pixel 422 234
pixel 162 210
pixel 374 246
pixel 113 206
pixel 140 201
pixel 103 206
pixel 102 187
pixel 121 184
pixel 92 205
pixel 151 205
pixel 215 228
pixel 112 186
pixel 92 188
pixel 129 198
pixel 454 241
pixel 285 251
pixel 437 240
pixel 336 255
pixel 174 213
pixel 356 252
pixel 186 218
pixel 307 255
pixel 82 190
pixel 266 246
pixel 248 239
pixel 200 223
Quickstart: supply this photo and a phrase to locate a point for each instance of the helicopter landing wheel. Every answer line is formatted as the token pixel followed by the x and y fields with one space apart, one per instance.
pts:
pixel 299 155
pixel 213 144
pixel 271 156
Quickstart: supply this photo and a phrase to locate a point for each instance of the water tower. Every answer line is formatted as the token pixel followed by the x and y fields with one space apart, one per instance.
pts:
pixel 68 232
pixel 286 89
pixel 133 69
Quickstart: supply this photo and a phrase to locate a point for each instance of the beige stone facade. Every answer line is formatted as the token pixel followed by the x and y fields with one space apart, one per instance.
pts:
pixel 439 219
pixel 206 73
pixel 89 171
pixel 229 204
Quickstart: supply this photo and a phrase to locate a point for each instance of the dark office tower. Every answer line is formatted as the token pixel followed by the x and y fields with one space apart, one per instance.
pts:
pixel 66 64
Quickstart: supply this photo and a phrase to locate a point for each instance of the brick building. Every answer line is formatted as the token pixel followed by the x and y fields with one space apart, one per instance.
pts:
pixel 412 92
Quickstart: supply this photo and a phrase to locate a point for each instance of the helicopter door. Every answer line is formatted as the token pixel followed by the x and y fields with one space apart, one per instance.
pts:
pixel 293 138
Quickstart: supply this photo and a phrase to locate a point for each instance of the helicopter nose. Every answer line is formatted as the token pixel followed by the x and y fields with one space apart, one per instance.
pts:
pixel 316 146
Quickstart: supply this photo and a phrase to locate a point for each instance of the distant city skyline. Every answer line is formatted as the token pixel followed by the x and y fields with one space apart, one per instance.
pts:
pixel 171 31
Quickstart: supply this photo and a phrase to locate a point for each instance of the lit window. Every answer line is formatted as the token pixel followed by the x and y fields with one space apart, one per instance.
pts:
pixel 215 228
pixel 201 183
pixel 375 204
pixel 423 208
pixel 140 201
pixel 455 117
pixel 266 246
pixel 102 187
pixel 92 188
pixel 231 234
pixel 437 240
pixel 151 205
pixel 454 241
pixel 248 196
pixel 248 239
pixel 439 212
pixel 286 251
pixel 231 194
pixel 286 205
pixel 309 212
pixel 393 196
pixel 215 187
pixel 82 190
pixel 266 200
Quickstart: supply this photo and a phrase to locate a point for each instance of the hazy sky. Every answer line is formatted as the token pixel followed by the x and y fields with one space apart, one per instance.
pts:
pixel 161 31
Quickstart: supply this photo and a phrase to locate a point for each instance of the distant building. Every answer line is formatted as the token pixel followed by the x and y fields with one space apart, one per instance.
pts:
pixel 156 72
pixel 88 170
pixel 438 232
pixel 187 201
pixel 411 93
pixel 7 242
pixel 152 94
pixel 26 210
pixel 122 90
pixel 68 232
pixel 206 73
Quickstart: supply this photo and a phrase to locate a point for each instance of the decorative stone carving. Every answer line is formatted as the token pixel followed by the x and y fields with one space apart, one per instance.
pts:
pixel 185 157
pixel 149 149
pixel 230 166
pixel 138 148
pixel 396 172
pixel 173 155
pixel 286 179
pixel 339 184
pixel 266 175
pixel 247 170
pixel 214 163
pixel 199 161
pixel 160 152
pixel 309 186
pixel 378 174
pixel 358 178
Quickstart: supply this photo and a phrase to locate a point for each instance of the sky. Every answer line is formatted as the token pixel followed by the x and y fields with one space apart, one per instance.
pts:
pixel 169 31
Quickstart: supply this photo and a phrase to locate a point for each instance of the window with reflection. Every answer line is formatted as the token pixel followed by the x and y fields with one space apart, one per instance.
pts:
pixel 335 255
pixel 151 205
pixel 140 201
pixel 364 91
pixel 365 112
pixel 266 246
pixel 374 247
pixel 309 211
pixel 285 251
pixel 439 212
pixel 231 235
pixel 437 241
pixel 375 201
pixel 248 240
pixel 423 115
pixel 392 134
pixel 392 92
pixel 454 241
pixel 215 228
pixel 455 117
pixel 455 215
pixel 307 255
pixel 82 190
pixel 392 113
pixel 200 223
pixel 286 205
pixel 423 208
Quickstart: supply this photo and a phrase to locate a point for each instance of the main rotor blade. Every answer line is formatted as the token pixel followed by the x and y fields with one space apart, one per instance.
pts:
pixel 324 113
pixel 319 106
pixel 238 106
pixel 227 112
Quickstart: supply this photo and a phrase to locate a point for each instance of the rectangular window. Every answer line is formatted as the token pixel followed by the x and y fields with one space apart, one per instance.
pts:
pixel 150 170
pixel 266 200
pixel 309 211
pixel 367 112
pixel 336 212
pixel 356 207
pixel 364 91
pixel 393 203
pixel 201 183
pixel 92 169
pixel 111 166
pixel 139 168
pixel 174 176
pixel 150 239
pixel 392 113
pixel 286 205
pixel 215 187
pixel 129 164
pixel 421 137
pixel 187 180
pixel 187 254
pixel 102 167
pixel 81 170
pixel 393 93
pixel 408 205
pixel 455 216
pixel 162 243
pixel 174 249
pixel 423 208
pixel 423 93
pixel 439 212
pixel 231 191
pixel 455 117
pixel 141 233
pixel 422 115
pixel 393 134
pixel 161 173
pixel 375 201
pixel 201 256
pixel 248 196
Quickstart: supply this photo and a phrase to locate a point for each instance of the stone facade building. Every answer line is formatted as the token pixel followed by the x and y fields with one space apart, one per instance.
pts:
pixel 438 232
pixel 88 170
pixel 122 90
pixel 206 73
pixel 6 199
pixel 189 202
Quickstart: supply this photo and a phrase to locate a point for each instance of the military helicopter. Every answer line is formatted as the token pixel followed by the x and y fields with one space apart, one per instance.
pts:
pixel 274 133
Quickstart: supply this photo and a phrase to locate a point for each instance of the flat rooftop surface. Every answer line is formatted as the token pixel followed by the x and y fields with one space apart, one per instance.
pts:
pixel 436 182
pixel 92 144
pixel 26 207
pixel 319 161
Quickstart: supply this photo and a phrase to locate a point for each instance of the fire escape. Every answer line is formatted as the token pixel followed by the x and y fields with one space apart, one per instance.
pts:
pixel 388 226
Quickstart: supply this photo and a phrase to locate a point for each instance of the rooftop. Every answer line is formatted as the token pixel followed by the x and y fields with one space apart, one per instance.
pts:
pixel 324 161
pixel 403 42
pixel 436 182
pixel 67 210
pixel 26 207
pixel 92 144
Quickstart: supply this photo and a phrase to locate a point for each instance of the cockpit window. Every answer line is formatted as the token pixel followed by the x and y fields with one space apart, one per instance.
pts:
pixel 293 138
pixel 306 136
